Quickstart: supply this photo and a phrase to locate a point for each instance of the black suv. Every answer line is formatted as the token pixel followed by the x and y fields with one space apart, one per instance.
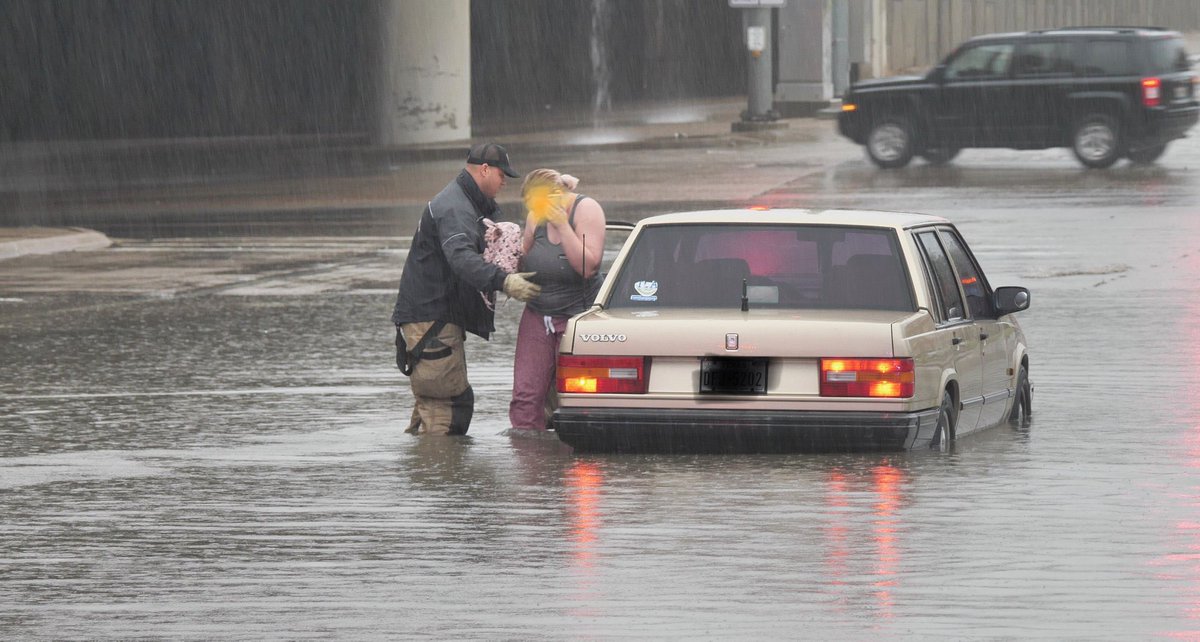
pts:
pixel 1105 92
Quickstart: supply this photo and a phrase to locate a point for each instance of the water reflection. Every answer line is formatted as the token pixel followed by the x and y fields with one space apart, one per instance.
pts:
pixel 1184 567
pixel 846 556
pixel 584 482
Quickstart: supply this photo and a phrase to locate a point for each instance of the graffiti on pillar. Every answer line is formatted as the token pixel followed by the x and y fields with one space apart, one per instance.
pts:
pixel 418 115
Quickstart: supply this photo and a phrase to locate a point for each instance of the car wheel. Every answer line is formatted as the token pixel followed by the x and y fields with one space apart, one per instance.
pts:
pixel 1022 408
pixel 890 142
pixel 1096 141
pixel 943 434
pixel 939 155
pixel 1148 155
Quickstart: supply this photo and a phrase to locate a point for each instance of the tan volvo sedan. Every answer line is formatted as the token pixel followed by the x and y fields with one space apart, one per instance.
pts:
pixel 792 330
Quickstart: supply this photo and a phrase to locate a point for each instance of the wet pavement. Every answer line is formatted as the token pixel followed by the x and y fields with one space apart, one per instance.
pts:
pixel 201 438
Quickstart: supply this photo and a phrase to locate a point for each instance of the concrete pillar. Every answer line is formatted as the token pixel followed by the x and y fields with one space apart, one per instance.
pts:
pixel 866 43
pixel 425 71
pixel 878 56
pixel 805 57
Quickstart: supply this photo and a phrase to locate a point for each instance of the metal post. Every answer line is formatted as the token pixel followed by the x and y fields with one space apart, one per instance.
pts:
pixel 757 23
pixel 757 28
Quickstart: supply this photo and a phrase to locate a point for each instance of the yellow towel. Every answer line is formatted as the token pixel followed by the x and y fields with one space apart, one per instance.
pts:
pixel 546 202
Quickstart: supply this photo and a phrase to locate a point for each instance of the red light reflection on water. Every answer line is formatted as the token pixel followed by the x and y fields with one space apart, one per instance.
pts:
pixel 848 549
pixel 583 486
pixel 1184 567
pixel 584 482
pixel 837 532
pixel 887 481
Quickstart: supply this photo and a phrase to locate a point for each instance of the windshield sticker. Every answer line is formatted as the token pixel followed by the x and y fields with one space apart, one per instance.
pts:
pixel 646 291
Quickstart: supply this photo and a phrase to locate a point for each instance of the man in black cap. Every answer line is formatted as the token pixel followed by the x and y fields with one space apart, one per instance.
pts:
pixel 440 292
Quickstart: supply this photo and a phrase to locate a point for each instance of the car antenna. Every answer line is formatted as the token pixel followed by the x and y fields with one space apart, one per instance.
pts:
pixel 583 261
pixel 745 299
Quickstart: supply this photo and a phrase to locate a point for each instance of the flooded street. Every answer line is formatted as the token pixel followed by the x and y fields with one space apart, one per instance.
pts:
pixel 224 458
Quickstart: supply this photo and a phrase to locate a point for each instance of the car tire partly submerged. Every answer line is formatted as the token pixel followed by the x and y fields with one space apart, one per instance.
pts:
pixel 1022 408
pixel 943 434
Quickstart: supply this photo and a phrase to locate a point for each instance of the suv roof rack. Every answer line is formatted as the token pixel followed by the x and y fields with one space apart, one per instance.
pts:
pixel 1118 28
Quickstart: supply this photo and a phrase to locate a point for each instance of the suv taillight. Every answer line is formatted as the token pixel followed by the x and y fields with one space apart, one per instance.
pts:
pixel 867 378
pixel 1151 92
pixel 602 374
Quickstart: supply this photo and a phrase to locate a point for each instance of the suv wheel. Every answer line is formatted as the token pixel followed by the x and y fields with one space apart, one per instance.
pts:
pixel 1096 141
pixel 1148 154
pixel 939 155
pixel 890 142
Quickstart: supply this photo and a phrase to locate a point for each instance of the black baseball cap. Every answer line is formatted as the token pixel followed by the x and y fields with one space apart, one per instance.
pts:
pixel 492 154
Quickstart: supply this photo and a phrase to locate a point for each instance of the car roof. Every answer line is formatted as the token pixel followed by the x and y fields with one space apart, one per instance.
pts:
pixel 1078 32
pixel 844 217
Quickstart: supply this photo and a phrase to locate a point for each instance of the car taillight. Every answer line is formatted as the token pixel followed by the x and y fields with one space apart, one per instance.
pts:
pixel 602 374
pixel 1151 92
pixel 867 378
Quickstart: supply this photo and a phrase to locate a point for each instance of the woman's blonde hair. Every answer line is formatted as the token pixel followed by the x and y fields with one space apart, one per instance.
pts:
pixel 546 176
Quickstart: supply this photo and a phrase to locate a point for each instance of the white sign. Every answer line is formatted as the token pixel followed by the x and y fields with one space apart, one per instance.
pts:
pixel 756 38
pixel 754 4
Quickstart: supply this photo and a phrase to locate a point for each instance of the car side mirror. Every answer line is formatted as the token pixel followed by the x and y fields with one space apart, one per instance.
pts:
pixel 937 74
pixel 1009 299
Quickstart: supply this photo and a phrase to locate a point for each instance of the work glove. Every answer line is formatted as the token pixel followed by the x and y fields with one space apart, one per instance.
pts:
pixel 519 287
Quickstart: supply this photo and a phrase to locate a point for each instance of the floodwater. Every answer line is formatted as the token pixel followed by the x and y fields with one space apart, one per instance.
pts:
pixel 221 465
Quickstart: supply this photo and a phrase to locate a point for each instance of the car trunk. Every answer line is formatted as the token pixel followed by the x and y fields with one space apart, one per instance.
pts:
pixel 764 332
pixel 791 341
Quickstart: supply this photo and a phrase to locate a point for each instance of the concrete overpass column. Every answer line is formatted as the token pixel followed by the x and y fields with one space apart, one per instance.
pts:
pixel 805 82
pixel 425 71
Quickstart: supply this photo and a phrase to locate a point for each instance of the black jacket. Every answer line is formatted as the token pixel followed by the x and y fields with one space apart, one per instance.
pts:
pixel 445 271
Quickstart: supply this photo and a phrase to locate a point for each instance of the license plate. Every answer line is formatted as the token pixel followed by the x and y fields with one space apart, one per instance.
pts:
pixel 733 376
pixel 1181 91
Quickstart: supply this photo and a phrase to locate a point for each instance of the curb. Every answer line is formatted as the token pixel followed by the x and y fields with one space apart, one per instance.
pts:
pixel 722 135
pixel 23 241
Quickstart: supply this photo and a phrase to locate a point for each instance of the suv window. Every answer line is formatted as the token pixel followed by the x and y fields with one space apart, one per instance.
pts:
pixel 1108 58
pixel 1168 55
pixel 783 266
pixel 1042 59
pixel 981 62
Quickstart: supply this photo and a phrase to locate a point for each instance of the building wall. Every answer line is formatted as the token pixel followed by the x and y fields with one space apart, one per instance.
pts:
pixel 104 69
pixel 391 71
pixel 539 61
pixel 921 32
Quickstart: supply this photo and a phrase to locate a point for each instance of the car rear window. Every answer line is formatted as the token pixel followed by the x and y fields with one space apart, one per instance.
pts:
pixel 1168 55
pixel 783 266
